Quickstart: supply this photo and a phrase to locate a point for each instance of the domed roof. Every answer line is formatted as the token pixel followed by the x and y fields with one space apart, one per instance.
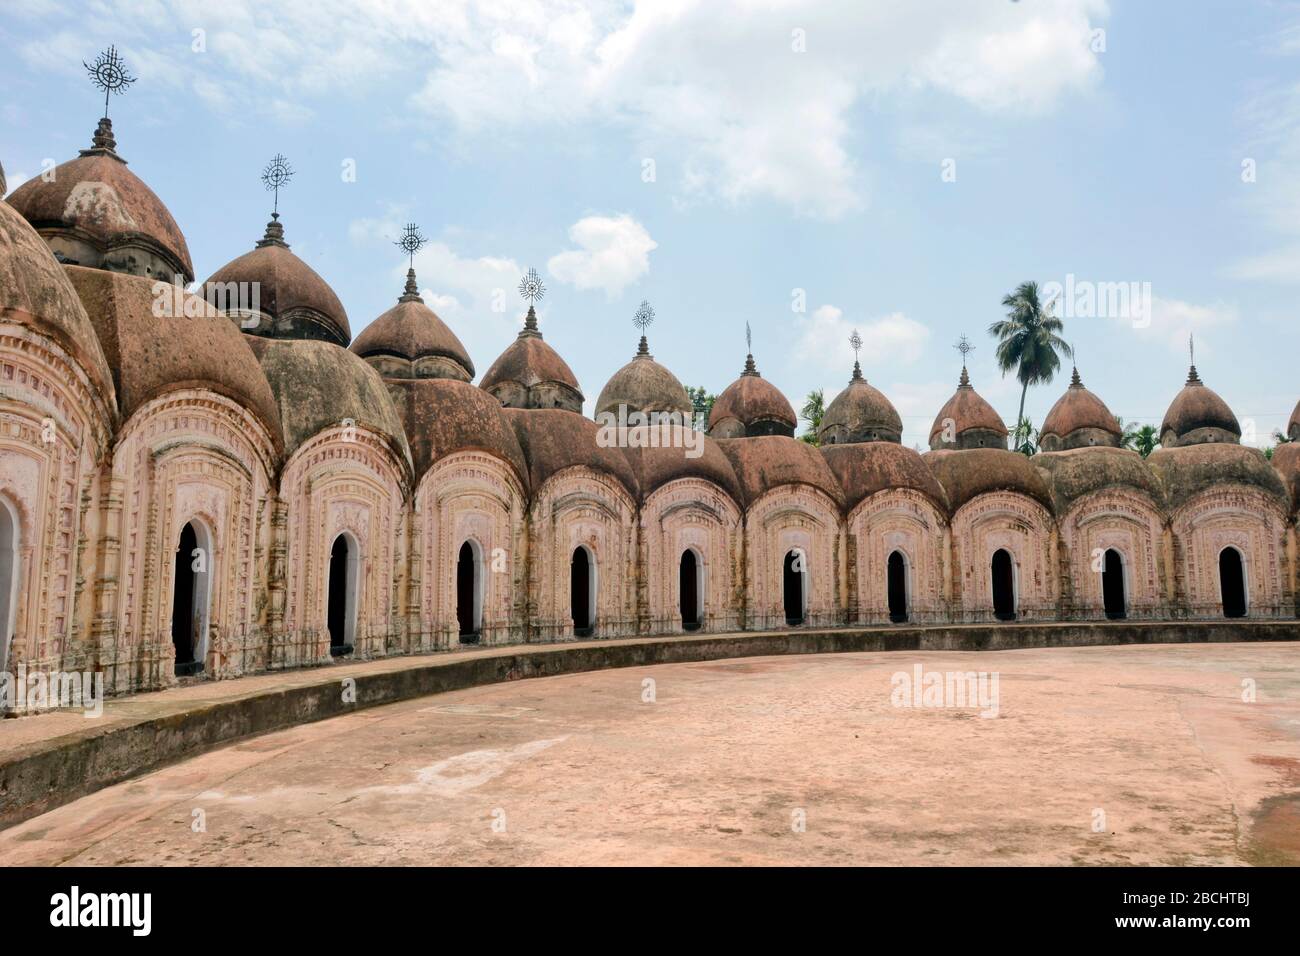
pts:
pixel 864 468
pixel 151 355
pixel 554 439
pixel 1286 462
pixel 318 385
pixel 643 385
pixel 96 212
pixel 1293 425
pixel 968 412
pixel 1079 410
pixel 443 416
pixel 657 466
pixel 770 461
pixel 35 292
pixel 860 412
pixel 527 363
pixel 975 471
pixel 293 301
pixel 411 331
pixel 1198 415
pixel 1186 471
pixel 751 405
pixel 1076 472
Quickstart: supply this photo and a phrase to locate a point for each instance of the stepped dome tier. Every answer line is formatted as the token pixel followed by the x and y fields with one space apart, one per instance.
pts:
pixel 864 468
pixel 411 341
pixel 553 439
pixel 292 301
pixel 976 471
pixel 751 406
pixel 531 374
pixel 967 421
pixel 93 211
pixel 318 385
pixel 1198 415
pixel 444 416
pixel 1079 419
pixel 35 293
pixel 771 461
pixel 1076 472
pixel 860 413
pixel 643 385
pixel 152 354
pixel 1186 471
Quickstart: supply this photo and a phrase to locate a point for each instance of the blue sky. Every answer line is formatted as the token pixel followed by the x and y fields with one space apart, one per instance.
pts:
pixel 795 146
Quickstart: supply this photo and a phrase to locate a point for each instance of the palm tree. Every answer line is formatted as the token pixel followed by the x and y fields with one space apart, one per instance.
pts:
pixel 1128 432
pixel 1028 341
pixel 1028 444
pixel 814 407
pixel 1146 439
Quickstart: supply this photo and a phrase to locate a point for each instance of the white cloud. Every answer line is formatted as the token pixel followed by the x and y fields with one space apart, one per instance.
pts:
pixel 614 252
pixel 1279 265
pixel 888 341
pixel 1173 320
pixel 714 87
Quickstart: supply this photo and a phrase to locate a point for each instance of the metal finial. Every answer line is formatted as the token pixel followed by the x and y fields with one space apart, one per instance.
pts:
pixel 411 241
pixel 109 74
pixel 855 341
pixel 1191 348
pixel 277 173
pixel 965 348
pixel 645 314
pixel 749 339
pixel 531 286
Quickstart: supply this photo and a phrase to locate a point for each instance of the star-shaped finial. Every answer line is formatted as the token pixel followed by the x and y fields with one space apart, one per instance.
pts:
pixel 645 314
pixel 531 286
pixel 964 347
pixel 411 241
pixel 277 173
pixel 109 74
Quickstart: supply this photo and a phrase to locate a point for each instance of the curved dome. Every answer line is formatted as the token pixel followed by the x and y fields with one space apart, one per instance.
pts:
pixel 860 413
pixel 1079 419
pixel 443 416
pixel 553 439
pixel 4 184
pixel 1293 425
pixel 770 461
pixel 411 341
pixel 318 385
pixel 95 212
pixel 656 467
pixel 976 471
pixel 643 385
pixel 35 292
pixel 151 355
pixel 1198 415
pixel 1186 471
pixel 864 468
pixel 531 374
pixel 293 302
pixel 967 421
pixel 1286 462
pixel 751 406
pixel 1076 472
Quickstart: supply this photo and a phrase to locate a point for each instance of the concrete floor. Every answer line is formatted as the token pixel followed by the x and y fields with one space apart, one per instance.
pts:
pixel 731 755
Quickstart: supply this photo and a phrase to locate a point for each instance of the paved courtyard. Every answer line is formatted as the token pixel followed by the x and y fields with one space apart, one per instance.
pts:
pixel 1104 755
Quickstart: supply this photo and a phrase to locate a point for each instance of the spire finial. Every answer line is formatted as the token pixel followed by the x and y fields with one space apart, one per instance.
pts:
pixel 965 348
pixel 645 315
pixel 109 73
pixel 410 242
pixel 1192 377
pixel 855 342
pixel 750 367
pixel 277 173
pixel 532 288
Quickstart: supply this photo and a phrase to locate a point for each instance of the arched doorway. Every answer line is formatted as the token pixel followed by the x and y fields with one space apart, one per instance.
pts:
pixel 794 579
pixel 688 590
pixel 8 579
pixel 469 593
pixel 341 614
pixel 897 587
pixel 1232 582
pixel 1112 585
pixel 190 587
pixel 1004 586
pixel 582 592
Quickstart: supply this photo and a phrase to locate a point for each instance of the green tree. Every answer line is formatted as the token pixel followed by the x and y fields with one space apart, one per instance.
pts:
pixel 814 407
pixel 702 404
pixel 1029 339
pixel 1146 440
pixel 1128 432
pixel 1027 437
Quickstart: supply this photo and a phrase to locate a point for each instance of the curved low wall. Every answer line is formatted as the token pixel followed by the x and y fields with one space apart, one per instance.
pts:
pixel 152 730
